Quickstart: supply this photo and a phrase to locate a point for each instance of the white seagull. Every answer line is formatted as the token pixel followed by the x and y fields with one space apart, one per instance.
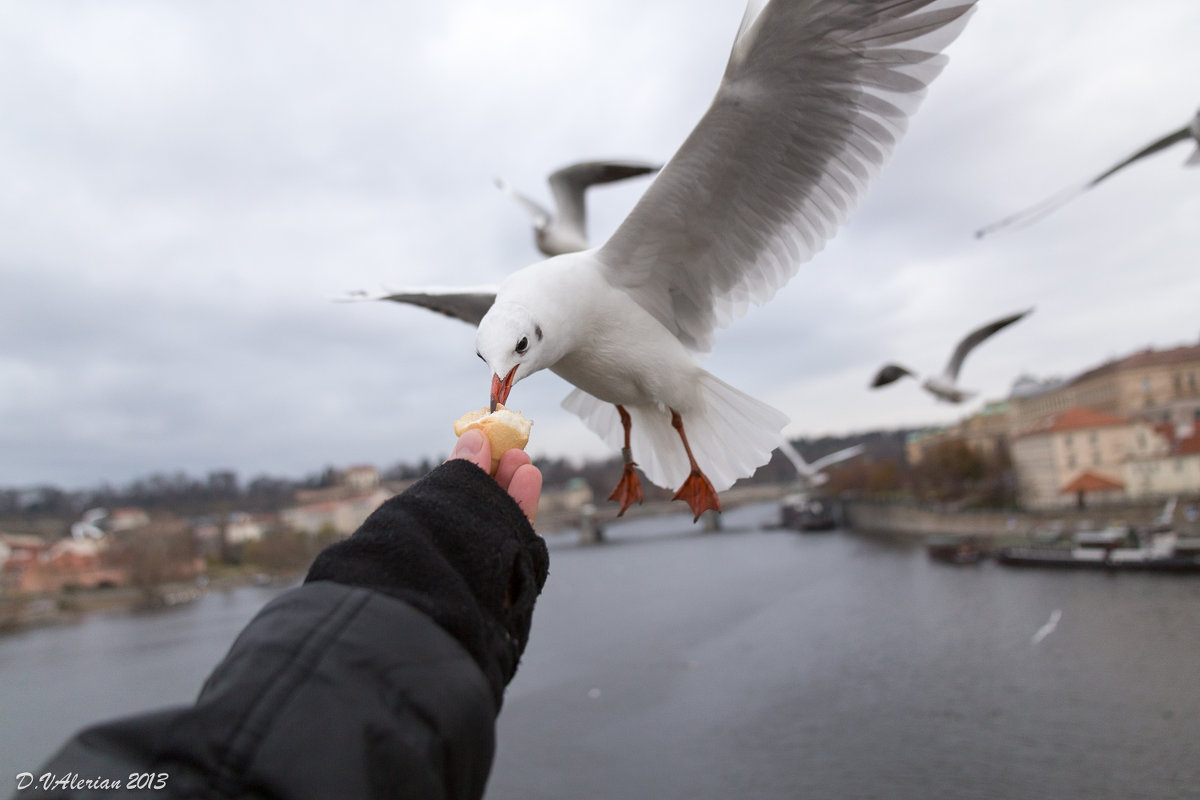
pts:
pixel 815 95
pixel 566 230
pixel 945 386
pixel 1047 629
pixel 88 527
pixel 814 474
pixel 1189 131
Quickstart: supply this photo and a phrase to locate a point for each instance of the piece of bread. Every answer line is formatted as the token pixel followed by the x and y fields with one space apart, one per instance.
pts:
pixel 505 429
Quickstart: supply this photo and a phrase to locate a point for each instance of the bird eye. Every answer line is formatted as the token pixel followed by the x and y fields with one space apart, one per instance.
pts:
pixel 523 345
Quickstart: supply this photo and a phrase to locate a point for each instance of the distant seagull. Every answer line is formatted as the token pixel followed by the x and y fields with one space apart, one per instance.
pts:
pixel 814 97
pixel 1048 628
pixel 945 386
pixel 1034 213
pixel 87 527
pixel 566 230
pixel 814 474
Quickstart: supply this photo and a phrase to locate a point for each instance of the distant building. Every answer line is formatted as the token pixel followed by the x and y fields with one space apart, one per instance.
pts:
pixel 986 431
pixel 21 557
pixel 126 519
pixel 241 528
pixel 1155 385
pixel 920 442
pixel 341 508
pixel 570 499
pixel 1081 453
pixel 29 565
pixel 362 478
pixel 1175 473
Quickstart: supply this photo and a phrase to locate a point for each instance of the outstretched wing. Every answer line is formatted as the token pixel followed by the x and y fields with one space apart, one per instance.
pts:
pixel 837 457
pixel 974 338
pixel 809 471
pixel 814 98
pixel 569 184
pixel 1036 212
pixel 889 373
pixel 539 216
pixel 468 304
pixel 1181 135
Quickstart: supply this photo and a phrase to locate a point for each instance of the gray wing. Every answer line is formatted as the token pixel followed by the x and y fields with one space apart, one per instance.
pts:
pixel 889 373
pixel 814 98
pixel 837 457
pixel 467 304
pixel 569 184
pixel 539 215
pixel 1181 135
pixel 1036 212
pixel 974 338
pixel 810 471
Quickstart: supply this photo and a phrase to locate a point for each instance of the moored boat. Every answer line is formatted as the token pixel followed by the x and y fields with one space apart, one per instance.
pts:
pixel 954 549
pixel 1165 552
pixel 804 512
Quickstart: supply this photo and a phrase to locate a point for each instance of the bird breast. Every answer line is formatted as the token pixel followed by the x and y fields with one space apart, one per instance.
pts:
pixel 623 355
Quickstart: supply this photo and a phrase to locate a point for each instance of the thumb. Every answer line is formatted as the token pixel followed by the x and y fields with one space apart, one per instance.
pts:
pixel 473 446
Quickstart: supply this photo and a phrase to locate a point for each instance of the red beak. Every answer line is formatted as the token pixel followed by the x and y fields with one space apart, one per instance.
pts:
pixel 501 388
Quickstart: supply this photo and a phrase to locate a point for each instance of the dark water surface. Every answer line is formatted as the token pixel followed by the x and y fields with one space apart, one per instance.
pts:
pixel 751 663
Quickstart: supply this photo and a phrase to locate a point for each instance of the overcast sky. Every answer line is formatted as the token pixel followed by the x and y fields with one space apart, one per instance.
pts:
pixel 185 186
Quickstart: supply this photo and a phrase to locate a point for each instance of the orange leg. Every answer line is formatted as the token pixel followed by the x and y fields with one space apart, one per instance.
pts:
pixel 629 488
pixel 697 491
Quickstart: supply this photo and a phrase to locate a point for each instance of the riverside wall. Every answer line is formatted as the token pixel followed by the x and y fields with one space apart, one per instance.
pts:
pixel 907 519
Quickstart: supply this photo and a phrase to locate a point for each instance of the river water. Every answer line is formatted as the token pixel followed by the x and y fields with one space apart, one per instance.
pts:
pixel 751 663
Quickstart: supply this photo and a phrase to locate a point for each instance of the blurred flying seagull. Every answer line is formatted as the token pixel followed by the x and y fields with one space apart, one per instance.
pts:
pixel 1034 213
pixel 945 386
pixel 1047 629
pixel 814 474
pixel 815 95
pixel 566 230
pixel 88 526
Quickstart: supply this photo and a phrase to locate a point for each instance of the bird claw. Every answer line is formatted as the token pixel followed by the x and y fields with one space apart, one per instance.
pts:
pixel 697 491
pixel 629 488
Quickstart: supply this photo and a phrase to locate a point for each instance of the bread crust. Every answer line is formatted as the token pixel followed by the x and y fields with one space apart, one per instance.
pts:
pixel 505 429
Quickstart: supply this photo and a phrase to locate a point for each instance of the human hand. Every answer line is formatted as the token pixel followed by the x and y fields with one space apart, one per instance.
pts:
pixel 515 474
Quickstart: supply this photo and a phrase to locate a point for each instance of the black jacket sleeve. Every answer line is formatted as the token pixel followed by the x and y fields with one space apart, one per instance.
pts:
pixel 380 677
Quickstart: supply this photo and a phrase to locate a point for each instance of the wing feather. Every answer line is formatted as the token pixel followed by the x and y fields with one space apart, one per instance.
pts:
pixel 814 98
pixel 467 304
pixel 974 339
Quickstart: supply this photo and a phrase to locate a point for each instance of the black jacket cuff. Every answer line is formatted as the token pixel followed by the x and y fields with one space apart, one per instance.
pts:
pixel 458 548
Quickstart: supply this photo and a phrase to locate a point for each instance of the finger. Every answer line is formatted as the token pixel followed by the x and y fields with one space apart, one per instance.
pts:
pixel 509 462
pixel 526 489
pixel 473 446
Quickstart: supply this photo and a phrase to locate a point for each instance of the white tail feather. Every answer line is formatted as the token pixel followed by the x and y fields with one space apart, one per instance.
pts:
pixel 731 434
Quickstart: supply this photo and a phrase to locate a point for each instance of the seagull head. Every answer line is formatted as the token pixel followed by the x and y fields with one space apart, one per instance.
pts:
pixel 509 340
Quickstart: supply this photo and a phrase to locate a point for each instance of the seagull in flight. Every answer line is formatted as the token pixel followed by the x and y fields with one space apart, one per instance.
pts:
pixel 945 386
pixel 88 526
pixel 566 230
pixel 815 96
pixel 1022 218
pixel 1047 629
pixel 814 474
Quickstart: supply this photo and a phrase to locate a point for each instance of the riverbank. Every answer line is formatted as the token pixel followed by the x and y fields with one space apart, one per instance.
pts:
pixel 910 520
pixel 35 611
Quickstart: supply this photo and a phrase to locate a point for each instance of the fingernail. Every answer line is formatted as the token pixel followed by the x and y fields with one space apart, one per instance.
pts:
pixel 469 444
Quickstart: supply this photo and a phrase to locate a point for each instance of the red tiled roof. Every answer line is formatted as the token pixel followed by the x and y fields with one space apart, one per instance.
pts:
pixel 1089 481
pixel 1190 445
pixel 1075 418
